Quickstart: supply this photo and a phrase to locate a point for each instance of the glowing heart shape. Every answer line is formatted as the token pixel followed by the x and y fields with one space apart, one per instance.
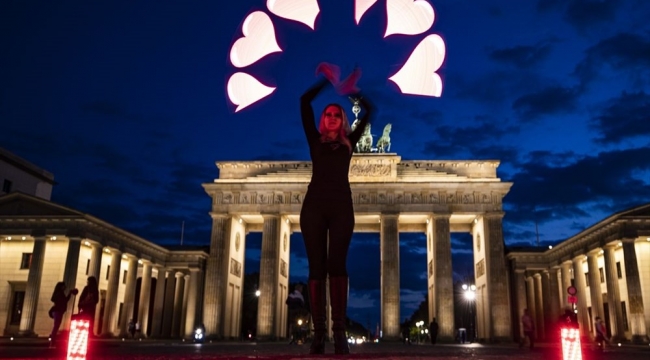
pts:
pixel 408 17
pixel 258 41
pixel 244 90
pixel 304 11
pixel 360 8
pixel 417 76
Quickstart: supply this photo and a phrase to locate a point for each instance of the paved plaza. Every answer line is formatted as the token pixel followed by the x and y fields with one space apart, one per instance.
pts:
pixel 160 350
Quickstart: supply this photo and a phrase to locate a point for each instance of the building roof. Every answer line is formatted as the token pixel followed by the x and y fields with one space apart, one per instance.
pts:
pixel 26 166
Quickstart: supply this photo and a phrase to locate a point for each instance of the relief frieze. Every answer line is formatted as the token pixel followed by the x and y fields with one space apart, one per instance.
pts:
pixel 370 170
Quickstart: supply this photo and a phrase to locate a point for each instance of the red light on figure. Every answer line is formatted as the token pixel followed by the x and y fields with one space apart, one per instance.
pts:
pixel 571 349
pixel 78 340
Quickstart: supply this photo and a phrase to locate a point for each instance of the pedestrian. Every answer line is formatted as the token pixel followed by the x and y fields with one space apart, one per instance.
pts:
pixel 601 333
pixel 327 214
pixel 529 329
pixel 88 302
pixel 132 328
pixel 60 300
pixel 296 303
pixel 433 331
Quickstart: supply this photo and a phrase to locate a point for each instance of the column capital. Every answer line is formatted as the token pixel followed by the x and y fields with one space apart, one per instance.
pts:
pixel 594 252
pixel 440 215
pixel 579 258
pixel 494 214
pixel 389 215
pixel 219 215
pixel 270 215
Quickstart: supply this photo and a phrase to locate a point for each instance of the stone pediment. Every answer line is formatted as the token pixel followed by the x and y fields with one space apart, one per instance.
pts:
pixel 19 204
pixel 639 211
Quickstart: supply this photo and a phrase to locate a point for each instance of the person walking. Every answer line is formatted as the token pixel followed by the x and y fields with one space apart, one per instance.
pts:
pixel 296 303
pixel 88 302
pixel 601 333
pixel 60 300
pixel 529 329
pixel 433 331
pixel 327 214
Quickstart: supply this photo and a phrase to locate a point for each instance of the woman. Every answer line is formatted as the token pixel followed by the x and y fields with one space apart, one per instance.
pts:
pixel 327 212
pixel 60 300
pixel 88 301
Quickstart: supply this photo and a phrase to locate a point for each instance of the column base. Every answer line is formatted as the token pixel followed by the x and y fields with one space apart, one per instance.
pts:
pixel 639 339
pixel 27 334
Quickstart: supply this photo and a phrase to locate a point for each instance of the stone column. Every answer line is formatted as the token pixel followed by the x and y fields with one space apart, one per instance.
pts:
pixel 110 307
pixel 216 276
pixel 595 290
pixel 614 295
pixel 70 276
pixel 581 285
pixel 192 305
pixel 497 277
pixel 178 305
pixel 95 261
pixel 30 304
pixel 530 298
pixel 520 283
pixel 566 282
pixel 129 295
pixel 636 318
pixel 168 308
pixel 443 277
pixel 547 300
pixel 555 304
pixel 269 273
pixel 186 293
pixel 159 302
pixel 145 298
pixel 539 306
pixel 390 299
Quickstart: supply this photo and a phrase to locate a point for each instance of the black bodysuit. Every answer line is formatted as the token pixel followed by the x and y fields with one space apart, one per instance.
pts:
pixel 327 207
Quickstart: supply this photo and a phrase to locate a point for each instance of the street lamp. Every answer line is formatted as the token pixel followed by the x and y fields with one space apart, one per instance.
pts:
pixel 419 324
pixel 469 293
pixel 257 293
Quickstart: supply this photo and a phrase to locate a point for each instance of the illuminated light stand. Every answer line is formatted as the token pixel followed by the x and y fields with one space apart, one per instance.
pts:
pixel 469 293
pixel 570 334
pixel 78 340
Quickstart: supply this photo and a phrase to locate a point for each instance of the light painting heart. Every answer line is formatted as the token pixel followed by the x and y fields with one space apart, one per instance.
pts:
pixel 258 41
pixel 303 11
pixel 408 17
pixel 244 90
pixel 417 76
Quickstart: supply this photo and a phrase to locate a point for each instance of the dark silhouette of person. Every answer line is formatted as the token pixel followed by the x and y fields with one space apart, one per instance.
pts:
pixel 528 326
pixel 88 302
pixel 60 300
pixel 327 214
pixel 433 331
pixel 296 303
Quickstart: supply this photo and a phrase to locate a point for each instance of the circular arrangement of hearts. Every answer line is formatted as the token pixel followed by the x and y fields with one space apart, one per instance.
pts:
pixel 407 17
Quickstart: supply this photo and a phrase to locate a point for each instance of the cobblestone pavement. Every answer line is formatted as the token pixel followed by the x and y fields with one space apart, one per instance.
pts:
pixel 160 350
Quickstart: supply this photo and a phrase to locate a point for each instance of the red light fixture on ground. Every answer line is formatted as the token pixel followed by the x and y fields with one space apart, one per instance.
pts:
pixel 78 340
pixel 571 349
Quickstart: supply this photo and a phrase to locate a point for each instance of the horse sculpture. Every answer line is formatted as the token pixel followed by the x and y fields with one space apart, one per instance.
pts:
pixel 364 145
pixel 383 144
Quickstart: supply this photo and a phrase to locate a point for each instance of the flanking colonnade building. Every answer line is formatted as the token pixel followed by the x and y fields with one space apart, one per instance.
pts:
pixel 609 266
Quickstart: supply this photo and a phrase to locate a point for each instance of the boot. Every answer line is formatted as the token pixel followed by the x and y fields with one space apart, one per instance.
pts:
pixel 317 307
pixel 339 301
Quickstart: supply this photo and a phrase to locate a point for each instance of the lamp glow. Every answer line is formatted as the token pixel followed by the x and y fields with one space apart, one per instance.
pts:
pixel 244 90
pixel 417 76
pixel 408 17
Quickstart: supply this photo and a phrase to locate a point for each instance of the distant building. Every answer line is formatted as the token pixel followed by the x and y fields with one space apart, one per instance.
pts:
pixel 42 243
pixel 608 264
pixel 18 174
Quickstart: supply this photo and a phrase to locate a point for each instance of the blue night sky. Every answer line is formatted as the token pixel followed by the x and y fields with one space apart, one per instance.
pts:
pixel 124 102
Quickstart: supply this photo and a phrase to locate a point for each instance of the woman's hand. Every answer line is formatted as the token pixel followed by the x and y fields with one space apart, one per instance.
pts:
pixel 349 85
pixel 330 71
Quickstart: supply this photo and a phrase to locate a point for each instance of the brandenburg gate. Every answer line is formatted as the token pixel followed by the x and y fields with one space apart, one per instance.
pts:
pixel 390 196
